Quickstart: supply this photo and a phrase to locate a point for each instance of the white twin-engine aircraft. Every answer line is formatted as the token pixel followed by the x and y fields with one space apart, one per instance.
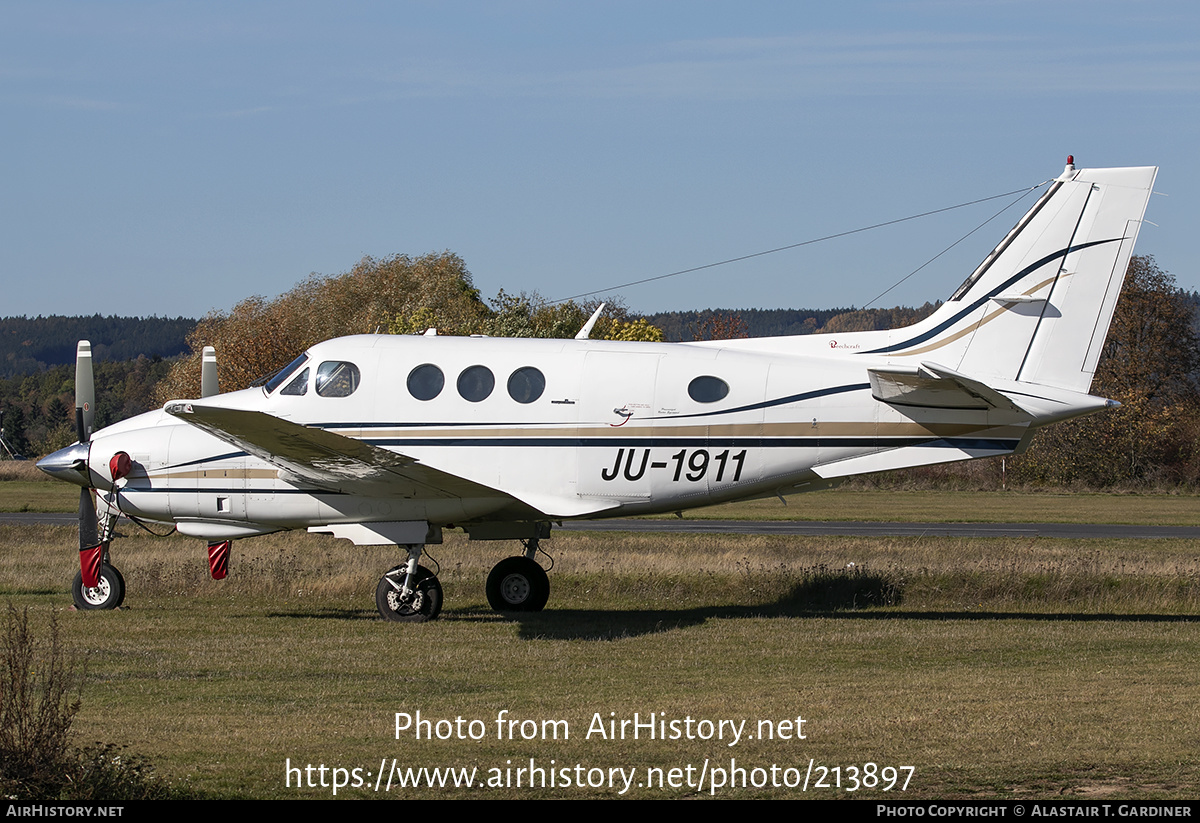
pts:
pixel 386 439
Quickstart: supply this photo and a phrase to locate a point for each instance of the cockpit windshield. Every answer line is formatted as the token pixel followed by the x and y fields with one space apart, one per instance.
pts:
pixel 274 381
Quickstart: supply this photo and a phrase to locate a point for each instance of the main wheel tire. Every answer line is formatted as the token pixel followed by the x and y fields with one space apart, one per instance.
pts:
pixel 120 579
pixel 109 592
pixel 426 602
pixel 518 584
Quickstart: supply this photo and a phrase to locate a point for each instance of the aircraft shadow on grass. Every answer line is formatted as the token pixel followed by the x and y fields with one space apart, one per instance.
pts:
pixel 587 624
pixel 856 595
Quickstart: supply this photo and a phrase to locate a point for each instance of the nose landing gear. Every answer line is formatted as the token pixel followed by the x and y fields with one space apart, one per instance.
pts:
pixel 108 593
pixel 409 593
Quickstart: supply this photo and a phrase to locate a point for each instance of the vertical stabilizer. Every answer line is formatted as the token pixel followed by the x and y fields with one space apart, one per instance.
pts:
pixel 1038 308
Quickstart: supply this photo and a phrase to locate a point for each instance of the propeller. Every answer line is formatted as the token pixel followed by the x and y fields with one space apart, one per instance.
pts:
pixel 73 464
pixel 90 547
pixel 99 585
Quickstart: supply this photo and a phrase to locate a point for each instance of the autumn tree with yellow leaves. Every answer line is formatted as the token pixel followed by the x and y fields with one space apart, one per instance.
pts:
pixel 1149 364
pixel 398 295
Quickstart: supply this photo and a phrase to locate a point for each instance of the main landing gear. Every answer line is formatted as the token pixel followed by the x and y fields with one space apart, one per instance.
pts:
pixel 411 593
pixel 519 584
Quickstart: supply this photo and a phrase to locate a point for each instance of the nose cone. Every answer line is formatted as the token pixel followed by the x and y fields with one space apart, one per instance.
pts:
pixel 69 464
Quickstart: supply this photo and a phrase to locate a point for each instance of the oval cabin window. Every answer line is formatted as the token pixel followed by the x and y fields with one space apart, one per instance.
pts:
pixel 526 384
pixel 708 389
pixel 476 383
pixel 425 382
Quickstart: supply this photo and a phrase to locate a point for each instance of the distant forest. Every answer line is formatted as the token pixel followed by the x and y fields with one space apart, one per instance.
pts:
pixel 33 344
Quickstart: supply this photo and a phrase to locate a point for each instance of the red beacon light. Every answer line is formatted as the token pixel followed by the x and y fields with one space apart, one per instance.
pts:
pixel 119 466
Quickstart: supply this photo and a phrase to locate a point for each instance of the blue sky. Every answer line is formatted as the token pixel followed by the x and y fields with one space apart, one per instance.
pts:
pixel 172 158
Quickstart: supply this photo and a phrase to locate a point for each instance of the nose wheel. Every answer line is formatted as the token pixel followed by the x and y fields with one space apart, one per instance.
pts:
pixel 108 593
pixel 422 602
pixel 518 584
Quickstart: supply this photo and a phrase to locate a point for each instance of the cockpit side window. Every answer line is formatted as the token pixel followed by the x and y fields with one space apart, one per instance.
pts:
pixel 337 378
pixel 276 380
pixel 298 387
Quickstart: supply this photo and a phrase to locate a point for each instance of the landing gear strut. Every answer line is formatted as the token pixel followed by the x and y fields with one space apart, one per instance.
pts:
pixel 409 593
pixel 519 584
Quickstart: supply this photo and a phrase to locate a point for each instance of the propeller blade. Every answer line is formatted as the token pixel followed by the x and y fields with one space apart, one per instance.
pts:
pixel 208 372
pixel 85 394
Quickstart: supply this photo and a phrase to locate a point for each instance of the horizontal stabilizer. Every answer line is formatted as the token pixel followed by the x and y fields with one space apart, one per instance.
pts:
pixel 926 454
pixel 936 387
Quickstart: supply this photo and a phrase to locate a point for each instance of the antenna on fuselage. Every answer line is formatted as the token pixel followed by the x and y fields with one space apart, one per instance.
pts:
pixel 587 327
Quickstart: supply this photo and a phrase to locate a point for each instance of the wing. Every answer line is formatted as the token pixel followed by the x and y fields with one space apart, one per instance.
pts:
pixel 324 459
pixel 338 463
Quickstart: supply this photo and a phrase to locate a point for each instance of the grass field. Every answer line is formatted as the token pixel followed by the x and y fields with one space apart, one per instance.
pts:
pixel 992 668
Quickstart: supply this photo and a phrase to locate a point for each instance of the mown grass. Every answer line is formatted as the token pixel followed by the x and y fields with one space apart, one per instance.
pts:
pixel 997 668
pixel 34 496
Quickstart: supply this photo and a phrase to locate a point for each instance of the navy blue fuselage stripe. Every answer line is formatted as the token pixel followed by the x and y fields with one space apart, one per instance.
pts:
pixel 1032 267
pixel 243 490
pixel 633 441
pixel 793 398
pixel 203 460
